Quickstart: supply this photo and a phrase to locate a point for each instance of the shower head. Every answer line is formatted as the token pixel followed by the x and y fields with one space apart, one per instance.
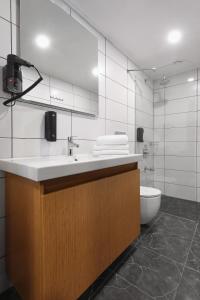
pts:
pixel 164 80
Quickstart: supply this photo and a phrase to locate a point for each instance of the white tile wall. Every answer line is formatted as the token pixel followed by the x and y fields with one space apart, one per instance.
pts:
pixel 22 131
pixel 175 136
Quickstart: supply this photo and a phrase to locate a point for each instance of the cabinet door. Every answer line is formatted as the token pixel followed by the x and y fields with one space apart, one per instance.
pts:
pixel 86 228
pixel 75 239
pixel 124 197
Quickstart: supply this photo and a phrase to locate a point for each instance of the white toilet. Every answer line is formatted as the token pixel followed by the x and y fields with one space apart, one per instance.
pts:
pixel 150 199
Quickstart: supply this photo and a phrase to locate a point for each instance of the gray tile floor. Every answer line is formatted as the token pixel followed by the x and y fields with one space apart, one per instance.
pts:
pixel 164 263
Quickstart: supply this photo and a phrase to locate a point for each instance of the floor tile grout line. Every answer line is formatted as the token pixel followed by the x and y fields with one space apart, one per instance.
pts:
pixel 185 264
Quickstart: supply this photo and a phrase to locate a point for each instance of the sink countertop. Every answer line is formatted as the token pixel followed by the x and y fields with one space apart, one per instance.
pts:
pixel 49 167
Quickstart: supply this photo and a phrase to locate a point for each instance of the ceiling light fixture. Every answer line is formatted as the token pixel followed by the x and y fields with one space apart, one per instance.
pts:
pixel 174 36
pixel 42 41
pixel 190 79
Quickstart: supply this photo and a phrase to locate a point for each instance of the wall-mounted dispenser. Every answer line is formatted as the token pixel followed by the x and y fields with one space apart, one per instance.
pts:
pixel 140 135
pixel 51 126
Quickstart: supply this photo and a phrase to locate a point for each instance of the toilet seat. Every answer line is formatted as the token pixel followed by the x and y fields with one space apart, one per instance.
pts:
pixel 149 192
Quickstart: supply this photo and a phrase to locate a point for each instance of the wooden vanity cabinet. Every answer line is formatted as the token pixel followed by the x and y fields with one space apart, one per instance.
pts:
pixel 63 233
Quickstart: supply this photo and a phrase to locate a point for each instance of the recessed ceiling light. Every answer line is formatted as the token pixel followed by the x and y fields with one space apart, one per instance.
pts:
pixel 190 79
pixel 174 36
pixel 42 41
pixel 95 71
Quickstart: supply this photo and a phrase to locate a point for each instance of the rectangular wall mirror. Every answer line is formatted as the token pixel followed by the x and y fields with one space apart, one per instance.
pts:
pixel 64 51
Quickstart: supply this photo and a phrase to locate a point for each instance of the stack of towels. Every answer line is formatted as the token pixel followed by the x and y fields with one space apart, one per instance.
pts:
pixel 111 145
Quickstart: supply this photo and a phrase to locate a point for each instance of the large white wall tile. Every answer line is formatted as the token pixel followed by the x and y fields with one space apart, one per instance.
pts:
pixel 180 177
pixel 180 191
pixel 181 91
pixel 116 111
pixel 81 127
pixel 180 120
pixel 116 72
pixel 180 134
pixel 180 148
pixel 5 9
pixel 113 126
pixel 116 92
pixel 116 55
pixel 180 163
pixel 5 36
pixel 181 105
pixel 5 147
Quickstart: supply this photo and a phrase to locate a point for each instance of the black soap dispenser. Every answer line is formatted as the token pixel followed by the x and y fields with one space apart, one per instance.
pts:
pixel 140 135
pixel 51 126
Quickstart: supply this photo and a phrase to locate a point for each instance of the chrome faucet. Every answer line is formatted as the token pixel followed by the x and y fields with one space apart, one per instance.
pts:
pixel 71 145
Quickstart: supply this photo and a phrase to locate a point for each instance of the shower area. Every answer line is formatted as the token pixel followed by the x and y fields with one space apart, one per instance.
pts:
pixel 171 144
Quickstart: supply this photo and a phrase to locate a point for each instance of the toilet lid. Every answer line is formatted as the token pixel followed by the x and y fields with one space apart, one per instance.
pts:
pixel 149 192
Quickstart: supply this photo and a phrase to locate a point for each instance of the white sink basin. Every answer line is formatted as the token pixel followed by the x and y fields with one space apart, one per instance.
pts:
pixel 48 167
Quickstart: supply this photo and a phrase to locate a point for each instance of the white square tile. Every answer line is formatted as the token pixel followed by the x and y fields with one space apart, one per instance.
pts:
pixel 81 127
pixel 5 147
pixel 180 163
pixel 5 36
pixel 131 99
pixel 116 111
pixel 159 108
pixel 159 175
pixel 5 9
pixel 181 105
pixel 116 72
pixel 116 92
pixel 85 146
pixel 158 135
pixel 2 197
pixel 116 55
pixel 131 116
pixel 159 121
pixel 113 126
pixel 5 121
pixel 182 78
pixel 2 237
pixel 102 107
pixel 159 148
pixel 131 133
pixel 180 148
pixel 186 134
pixel 181 91
pixel 38 147
pixel 159 162
pixel 180 177
pixel 180 191
pixel 28 122
pixel 144 105
pixel 143 119
pixel 180 120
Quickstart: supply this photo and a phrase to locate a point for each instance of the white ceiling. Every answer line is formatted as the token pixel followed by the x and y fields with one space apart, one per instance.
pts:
pixel 140 27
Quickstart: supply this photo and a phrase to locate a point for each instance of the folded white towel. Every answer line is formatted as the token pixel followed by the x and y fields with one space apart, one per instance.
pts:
pixel 111 147
pixel 112 140
pixel 111 152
